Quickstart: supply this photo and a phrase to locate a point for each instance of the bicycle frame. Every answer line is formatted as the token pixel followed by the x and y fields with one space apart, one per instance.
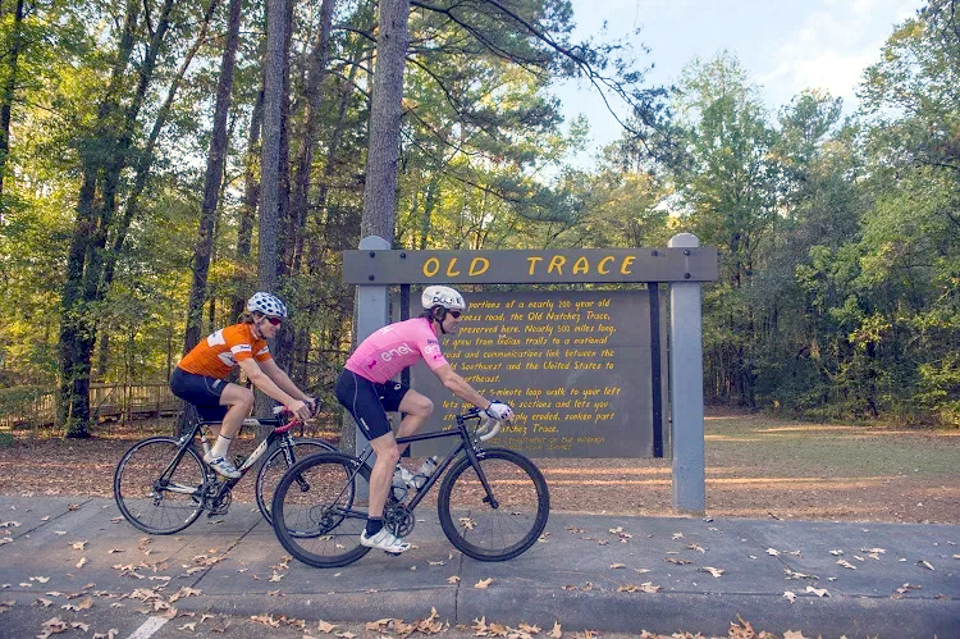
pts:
pixel 466 443
pixel 280 431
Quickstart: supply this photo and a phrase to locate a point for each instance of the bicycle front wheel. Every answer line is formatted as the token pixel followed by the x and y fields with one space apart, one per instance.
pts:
pixel 277 464
pixel 499 524
pixel 314 513
pixel 157 491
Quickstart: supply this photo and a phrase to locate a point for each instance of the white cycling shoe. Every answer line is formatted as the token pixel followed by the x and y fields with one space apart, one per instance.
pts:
pixel 222 466
pixel 385 541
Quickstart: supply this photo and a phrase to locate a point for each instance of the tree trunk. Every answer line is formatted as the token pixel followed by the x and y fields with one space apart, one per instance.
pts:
pixel 13 54
pixel 77 327
pixel 270 155
pixel 212 181
pixel 251 195
pixel 379 195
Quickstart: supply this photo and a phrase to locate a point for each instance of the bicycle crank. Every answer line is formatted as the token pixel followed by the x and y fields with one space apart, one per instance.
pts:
pixel 398 519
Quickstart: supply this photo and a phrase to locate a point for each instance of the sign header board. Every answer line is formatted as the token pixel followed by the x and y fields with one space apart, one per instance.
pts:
pixel 694 264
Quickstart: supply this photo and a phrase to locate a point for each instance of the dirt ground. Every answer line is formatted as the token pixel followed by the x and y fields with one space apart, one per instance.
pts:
pixel 757 467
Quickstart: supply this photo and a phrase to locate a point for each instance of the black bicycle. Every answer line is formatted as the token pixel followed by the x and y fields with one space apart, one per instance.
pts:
pixel 161 484
pixel 493 502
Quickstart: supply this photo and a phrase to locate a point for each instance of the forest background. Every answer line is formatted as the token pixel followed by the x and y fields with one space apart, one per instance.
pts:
pixel 144 193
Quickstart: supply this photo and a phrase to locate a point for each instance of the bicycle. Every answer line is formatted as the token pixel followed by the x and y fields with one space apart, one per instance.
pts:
pixel 493 502
pixel 161 484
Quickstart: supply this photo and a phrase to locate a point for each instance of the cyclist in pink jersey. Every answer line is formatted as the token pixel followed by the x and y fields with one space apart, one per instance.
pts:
pixel 366 390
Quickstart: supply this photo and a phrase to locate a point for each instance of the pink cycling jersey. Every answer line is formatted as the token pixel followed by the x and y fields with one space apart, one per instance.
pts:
pixel 394 348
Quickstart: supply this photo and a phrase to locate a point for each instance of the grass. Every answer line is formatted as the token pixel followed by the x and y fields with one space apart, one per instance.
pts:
pixel 832 449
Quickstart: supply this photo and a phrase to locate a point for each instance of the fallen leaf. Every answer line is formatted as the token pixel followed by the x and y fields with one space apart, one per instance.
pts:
pixel 677 535
pixel 836 553
pixel 773 552
pixel 82 562
pixel 78 545
pixel 617 566
pixel 647 586
pixel 325 627
pixel 453 580
pixel 820 592
pixel 41 580
pixel 483 583
pixel 696 547
pixel 555 633
pixel 266 620
pixel 790 634
pixel 716 572
pixel 192 626
pixel 790 596
pixel 846 564
pixel 925 564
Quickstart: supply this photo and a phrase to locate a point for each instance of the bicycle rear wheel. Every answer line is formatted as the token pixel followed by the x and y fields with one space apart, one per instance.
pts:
pixel 155 494
pixel 314 510
pixel 276 464
pixel 505 527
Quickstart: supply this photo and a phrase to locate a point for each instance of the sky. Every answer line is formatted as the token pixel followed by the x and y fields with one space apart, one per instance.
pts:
pixel 785 46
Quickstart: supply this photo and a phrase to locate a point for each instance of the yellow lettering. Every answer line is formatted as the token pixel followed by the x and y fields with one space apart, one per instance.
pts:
pixel 581 266
pixel 625 266
pixel 601 267
pixel 451 266
pixel 431 267
pixel 533 264
pixel 557 261
pixel 479 266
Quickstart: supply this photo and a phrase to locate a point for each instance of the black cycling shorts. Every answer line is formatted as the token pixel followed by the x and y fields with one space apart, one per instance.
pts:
pixel 201 391
pixel 369 402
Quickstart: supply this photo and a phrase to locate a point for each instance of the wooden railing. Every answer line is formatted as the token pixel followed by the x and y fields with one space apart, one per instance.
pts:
pixel 107 402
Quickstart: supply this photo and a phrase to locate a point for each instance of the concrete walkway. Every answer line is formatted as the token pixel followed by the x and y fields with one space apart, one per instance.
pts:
pixel 595 572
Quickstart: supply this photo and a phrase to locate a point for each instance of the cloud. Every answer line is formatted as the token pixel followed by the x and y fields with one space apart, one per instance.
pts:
pixel 831 47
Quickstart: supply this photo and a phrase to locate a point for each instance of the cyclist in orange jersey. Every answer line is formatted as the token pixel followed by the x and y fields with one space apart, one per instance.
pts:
pixel 200 376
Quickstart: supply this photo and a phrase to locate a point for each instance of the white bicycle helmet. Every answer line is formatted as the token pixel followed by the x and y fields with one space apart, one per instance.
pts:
pixel 448 298
pixel 267 304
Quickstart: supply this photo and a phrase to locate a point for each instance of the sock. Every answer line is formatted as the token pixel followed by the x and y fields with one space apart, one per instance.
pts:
pixel 221 447
pixel 374 525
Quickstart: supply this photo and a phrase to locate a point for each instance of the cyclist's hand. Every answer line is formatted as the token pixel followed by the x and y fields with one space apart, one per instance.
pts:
pixel 314 405
pixel 500 412
pixel 299 409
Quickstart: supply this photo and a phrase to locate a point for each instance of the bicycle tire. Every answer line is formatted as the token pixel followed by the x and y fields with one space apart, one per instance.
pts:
pixel 320 526
pixel 146 499
pixel 275 465
pixel 494 534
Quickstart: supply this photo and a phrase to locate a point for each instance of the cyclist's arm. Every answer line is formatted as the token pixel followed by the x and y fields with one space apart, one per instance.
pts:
pixel 262 381
pixel 459 387
pixel 281 379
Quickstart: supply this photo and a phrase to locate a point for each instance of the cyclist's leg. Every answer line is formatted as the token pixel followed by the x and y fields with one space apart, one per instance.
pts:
pixel 237 401
pixel 381 477
pixel 364 400
pixel 416 409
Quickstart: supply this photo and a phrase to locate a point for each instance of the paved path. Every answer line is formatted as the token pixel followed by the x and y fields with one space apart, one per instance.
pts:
pixel 900 580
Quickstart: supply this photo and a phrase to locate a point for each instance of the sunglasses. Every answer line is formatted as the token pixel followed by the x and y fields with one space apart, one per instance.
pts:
pixel 274 320
pixel 456 314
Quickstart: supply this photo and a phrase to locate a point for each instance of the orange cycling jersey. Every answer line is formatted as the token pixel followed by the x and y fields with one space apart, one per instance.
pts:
pixel 219 354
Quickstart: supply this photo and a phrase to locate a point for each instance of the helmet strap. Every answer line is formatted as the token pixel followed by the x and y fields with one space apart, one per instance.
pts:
pixel 440 314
